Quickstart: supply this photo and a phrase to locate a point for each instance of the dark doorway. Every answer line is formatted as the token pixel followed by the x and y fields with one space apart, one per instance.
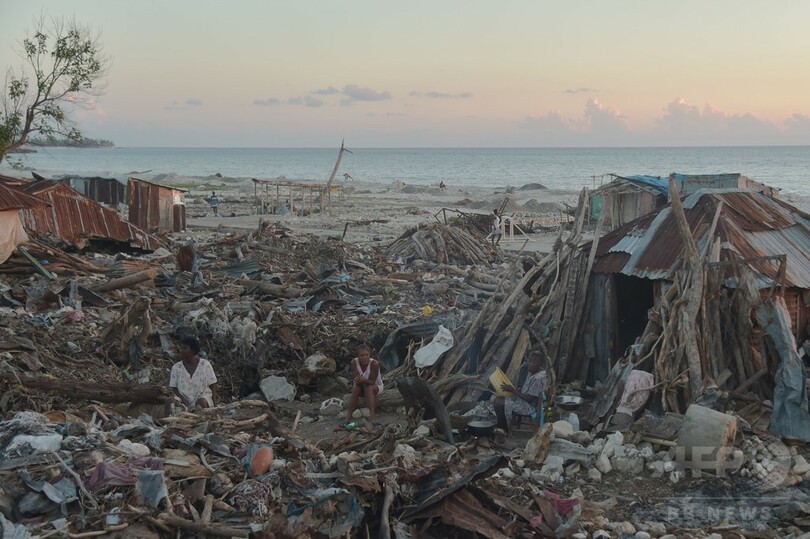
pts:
pixel 634 297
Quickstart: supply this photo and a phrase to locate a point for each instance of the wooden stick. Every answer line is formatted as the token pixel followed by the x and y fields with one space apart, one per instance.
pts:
pixel 127 281
pixel 222 531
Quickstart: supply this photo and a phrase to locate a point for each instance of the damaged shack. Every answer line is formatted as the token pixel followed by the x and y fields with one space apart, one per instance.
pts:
pixel 626 198
pixel 634 265
pixel 156 208
pixel 70 216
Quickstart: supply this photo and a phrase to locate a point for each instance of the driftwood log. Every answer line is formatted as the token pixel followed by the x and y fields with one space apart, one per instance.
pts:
pixel 110 392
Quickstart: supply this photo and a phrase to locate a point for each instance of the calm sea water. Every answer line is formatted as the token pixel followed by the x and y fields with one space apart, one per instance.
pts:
pixel 786 167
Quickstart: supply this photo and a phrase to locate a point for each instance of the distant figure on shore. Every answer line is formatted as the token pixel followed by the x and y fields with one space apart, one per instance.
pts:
pixel 495 234
pixel 442 186
pixel 347 176
pixel 214 201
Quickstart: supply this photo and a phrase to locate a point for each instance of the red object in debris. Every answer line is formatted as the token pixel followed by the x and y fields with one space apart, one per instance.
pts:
pixel 261 461
pixel 75 316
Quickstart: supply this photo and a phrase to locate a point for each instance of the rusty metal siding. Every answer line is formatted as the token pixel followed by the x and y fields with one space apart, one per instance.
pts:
pixel 179 217
pixel 151 206
pixel 752 225
pixel 76 218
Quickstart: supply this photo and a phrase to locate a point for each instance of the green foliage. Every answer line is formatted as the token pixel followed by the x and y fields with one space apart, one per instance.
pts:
pixel 65 68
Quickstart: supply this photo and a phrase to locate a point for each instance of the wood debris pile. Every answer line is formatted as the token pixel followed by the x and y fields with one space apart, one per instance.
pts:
pixel 442 244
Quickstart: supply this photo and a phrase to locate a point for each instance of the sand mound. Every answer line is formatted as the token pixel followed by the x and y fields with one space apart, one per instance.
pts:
pixel 535 206
pixel 532 187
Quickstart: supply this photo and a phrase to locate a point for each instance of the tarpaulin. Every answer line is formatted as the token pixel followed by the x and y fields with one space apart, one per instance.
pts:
pixel 790 417
pixel 12 233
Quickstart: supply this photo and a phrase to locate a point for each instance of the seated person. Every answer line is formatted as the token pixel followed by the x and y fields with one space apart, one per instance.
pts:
pixel 523 402
pixel 192 378
pixel 367 381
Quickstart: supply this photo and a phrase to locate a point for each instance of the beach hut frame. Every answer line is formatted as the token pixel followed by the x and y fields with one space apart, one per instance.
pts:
pixel 296 192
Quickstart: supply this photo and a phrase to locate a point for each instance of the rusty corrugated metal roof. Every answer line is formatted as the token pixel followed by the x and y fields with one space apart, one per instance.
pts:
pixel 76 218
pixel 155 184
pixel 12 198
pixel 751 225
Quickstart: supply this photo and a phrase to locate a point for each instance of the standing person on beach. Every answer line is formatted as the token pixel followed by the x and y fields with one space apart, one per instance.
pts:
pixel 367 381
pixel 192 379
pixel 495 234
pixel 214 201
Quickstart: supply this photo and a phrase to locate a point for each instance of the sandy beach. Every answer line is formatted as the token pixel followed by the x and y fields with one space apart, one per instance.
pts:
pixel 377 214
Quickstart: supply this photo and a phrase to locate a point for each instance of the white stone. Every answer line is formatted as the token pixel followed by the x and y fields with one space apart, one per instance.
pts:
pixel 642 535
pixel 800 465
pixel 563 429
pixel 520 463
pixel 594 475
pixel 621 528
pixel 277 388
pixel 134 449
pixel 579 535
pixel 422 431
pixel 600 534
pixel 407 454
pixel 613 441
pixel 675 476
pixel 645 449
pixel 603 464
pixel 656 528
pixel 582 437
pixel 669 466
pixel 628 465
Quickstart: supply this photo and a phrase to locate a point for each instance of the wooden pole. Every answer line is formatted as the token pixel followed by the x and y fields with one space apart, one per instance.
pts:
pixel 127 281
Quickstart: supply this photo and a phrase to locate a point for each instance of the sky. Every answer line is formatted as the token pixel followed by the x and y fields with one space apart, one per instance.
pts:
pixel 441 73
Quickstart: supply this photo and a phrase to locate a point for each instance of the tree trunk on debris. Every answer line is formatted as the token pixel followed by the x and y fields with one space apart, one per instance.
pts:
pixel 108 392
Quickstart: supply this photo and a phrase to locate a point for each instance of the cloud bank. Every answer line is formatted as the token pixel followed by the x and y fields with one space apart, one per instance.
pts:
pixel 680 124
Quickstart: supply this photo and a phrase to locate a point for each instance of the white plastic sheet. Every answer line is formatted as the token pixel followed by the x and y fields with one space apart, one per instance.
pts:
pixel 430 353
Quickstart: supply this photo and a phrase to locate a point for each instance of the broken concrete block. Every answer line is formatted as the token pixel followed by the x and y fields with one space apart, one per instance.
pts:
pixel 582 437
pixel 628 465
pixel 316 366
pixel 563 429
pixel 277 388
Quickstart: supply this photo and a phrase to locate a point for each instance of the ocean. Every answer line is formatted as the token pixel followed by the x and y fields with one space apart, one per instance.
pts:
pixel 785 167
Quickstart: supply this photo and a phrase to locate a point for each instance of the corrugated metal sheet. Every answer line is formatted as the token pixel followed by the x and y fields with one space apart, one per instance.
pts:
pixel 751 225
pixel 152 206
pixel 15 199
pixel 75 218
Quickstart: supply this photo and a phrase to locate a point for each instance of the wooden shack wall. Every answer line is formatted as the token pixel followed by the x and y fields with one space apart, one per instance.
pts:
pixel 594 352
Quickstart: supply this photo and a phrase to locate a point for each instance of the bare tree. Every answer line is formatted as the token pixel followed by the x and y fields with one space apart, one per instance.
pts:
pixel 65 69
